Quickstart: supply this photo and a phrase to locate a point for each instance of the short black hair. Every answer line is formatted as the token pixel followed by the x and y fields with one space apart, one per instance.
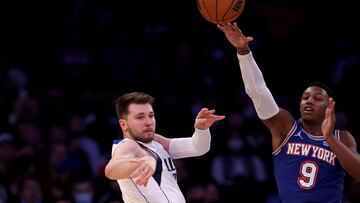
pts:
pixel 322 86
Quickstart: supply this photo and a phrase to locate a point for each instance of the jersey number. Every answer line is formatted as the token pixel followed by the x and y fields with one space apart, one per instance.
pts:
pixel 308 174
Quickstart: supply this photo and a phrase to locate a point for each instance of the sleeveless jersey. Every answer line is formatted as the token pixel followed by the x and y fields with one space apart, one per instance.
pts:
pixel 306 170
pixel 162 187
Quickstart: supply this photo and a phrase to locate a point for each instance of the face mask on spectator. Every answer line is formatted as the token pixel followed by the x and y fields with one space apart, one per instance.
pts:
pixel 83 197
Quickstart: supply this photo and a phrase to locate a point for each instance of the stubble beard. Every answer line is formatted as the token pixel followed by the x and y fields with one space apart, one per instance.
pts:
pixel 141 138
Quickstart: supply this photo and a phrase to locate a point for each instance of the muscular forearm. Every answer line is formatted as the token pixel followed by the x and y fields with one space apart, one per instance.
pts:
pixel 349 160
pixel 120 168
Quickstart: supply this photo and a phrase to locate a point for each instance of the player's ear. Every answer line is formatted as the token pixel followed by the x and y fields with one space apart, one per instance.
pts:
pixel 123 124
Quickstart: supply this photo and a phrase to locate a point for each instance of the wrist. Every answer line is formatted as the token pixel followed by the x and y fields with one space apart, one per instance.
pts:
pixel 243 51
pixel 200 131
pixel 151 155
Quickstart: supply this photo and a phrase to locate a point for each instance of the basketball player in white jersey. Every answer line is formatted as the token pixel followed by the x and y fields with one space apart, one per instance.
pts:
pixel 142 162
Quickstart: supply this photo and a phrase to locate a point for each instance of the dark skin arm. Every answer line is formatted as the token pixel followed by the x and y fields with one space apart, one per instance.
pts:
pixel 345 148
pixel 281 123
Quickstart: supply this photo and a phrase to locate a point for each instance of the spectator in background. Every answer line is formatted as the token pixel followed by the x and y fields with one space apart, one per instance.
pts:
pixel 30 190
pixel 83 190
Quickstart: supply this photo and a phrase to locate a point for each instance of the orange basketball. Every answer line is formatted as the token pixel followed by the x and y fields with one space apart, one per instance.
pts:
pixel 220 11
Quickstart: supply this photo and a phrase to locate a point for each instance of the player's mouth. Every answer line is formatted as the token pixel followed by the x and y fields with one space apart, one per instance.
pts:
pixel 308 109
pixel 148 130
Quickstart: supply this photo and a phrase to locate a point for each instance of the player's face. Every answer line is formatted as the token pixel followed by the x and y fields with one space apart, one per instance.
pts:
pixel 140 122
pixel 313 104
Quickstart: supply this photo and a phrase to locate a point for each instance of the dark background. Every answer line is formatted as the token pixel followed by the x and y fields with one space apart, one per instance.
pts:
pixel 63 63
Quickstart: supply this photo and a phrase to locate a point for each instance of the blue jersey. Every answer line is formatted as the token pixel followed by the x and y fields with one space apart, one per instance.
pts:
pixel 306 170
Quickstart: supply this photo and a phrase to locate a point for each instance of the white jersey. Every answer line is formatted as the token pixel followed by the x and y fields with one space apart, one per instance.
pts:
pixel 162 187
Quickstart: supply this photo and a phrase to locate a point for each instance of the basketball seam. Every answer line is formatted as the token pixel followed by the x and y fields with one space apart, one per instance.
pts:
pixel 215 5
pixel 207 11
pixel 216 13
pixel 223 18
pixel 235 16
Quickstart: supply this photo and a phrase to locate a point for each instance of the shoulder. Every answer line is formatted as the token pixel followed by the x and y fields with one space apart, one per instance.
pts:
pixel 125 143
pixel 281 123
pixel 163 141
pixel 347 138
pixel 126 147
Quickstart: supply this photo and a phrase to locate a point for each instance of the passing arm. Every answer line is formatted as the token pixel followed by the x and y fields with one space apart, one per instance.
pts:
pixel 129 160
pixel 196 145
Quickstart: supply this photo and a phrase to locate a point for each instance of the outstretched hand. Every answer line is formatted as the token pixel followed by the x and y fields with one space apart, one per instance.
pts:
pixel 206 118
pixel 329 121
pixel 235 36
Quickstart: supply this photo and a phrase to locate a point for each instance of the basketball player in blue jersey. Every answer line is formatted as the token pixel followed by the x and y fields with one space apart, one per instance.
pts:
pixel 310 156
pixel 142 163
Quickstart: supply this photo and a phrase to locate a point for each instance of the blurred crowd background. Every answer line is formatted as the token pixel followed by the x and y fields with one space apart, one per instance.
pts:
pixel 63 63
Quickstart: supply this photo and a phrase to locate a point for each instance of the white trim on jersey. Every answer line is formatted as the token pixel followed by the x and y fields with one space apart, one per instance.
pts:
pixel 277 151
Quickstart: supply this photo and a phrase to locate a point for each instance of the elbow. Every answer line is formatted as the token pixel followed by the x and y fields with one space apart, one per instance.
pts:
pixel 203 150
pixel 108 172
pixel 206 150
pixel 201 142
pixel 254 92
pixel 249 91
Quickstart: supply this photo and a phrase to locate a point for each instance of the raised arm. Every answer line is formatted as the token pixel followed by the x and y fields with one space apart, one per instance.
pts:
pixel 196 145
pixel 279 121
pixel 346 149
pixel 129 160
